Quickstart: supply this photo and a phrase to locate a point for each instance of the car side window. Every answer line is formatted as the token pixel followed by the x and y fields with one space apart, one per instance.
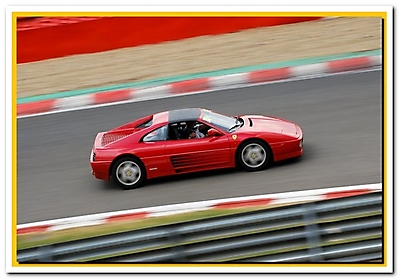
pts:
pixel 175 131
pixel 159 134
pixel 202 128
pixel 187 130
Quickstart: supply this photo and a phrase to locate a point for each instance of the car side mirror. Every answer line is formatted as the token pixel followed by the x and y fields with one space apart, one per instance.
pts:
pixel 214 133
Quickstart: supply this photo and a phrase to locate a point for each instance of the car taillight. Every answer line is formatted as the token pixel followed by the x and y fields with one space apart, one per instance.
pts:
pixel 93 156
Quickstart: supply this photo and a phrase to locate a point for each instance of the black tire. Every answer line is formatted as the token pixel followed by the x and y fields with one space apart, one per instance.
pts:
pixel 128 173
pixel 254 155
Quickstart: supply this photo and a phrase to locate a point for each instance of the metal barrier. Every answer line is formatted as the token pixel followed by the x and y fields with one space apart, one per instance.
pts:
pixel 337 230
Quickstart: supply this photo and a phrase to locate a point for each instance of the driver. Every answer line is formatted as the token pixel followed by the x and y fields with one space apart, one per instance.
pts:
pixel 193 131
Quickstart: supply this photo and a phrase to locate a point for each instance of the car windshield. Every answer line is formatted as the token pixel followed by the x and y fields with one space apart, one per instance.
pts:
pixel 226 123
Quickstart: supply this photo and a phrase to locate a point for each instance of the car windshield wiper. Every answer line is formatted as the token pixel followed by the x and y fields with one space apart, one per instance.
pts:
pixel 236 125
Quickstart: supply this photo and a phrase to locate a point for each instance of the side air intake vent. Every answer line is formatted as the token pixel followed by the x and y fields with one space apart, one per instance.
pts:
pixel 250 122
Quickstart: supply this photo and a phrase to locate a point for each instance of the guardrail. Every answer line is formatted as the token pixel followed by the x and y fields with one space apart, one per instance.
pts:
pixel 338 230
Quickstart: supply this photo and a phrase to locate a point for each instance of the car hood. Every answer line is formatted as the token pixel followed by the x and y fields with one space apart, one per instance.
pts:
pixel 260 123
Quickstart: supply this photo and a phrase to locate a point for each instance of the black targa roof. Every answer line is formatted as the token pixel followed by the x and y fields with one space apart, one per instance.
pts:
pixel 188 114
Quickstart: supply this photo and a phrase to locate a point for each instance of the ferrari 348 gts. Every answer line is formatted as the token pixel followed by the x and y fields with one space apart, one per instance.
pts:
pixel 190 140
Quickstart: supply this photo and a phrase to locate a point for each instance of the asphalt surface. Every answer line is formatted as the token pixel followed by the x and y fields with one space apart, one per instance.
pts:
pixel 341 117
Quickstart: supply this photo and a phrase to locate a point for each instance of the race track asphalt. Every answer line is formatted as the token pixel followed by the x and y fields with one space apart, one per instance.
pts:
pixel 341 117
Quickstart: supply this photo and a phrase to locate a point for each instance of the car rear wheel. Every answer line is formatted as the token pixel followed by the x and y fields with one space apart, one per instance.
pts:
pixel 254 155
pixel 128 173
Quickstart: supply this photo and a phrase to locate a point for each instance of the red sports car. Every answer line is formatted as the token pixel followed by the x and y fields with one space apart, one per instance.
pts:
pixel 190 140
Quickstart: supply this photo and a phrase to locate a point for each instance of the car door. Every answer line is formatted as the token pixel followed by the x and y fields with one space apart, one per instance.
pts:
pixel 151 151
pixel 186 155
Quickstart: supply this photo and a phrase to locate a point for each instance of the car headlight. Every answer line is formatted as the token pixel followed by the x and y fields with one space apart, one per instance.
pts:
pixel 301 143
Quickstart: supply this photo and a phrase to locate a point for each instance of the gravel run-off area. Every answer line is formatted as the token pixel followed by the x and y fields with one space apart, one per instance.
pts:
pixel 200 54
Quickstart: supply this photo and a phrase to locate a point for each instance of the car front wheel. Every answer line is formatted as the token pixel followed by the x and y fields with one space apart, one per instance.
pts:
pixel 128 173
pixel 254 155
